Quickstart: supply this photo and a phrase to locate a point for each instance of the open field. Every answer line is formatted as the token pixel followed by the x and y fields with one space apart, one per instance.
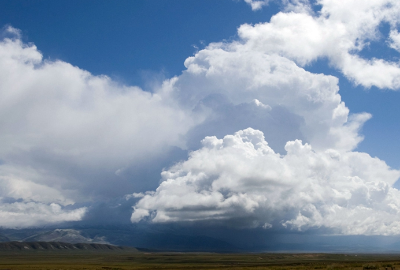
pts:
pixel 128 260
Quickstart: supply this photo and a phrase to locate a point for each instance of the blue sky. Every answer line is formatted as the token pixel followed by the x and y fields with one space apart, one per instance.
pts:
pixel 115 101
pixel 127 38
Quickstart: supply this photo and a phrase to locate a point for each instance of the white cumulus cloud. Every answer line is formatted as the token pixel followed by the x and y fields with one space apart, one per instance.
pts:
pixel 241 181
pixel 28 214
pixel 338 32
pixel 61 127
pixel 313 107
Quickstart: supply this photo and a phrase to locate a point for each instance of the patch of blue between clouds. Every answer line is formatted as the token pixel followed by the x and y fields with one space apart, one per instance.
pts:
pixel 380 133
pixel 380 48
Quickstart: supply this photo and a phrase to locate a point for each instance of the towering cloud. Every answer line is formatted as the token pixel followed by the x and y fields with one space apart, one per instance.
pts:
pixel 258 81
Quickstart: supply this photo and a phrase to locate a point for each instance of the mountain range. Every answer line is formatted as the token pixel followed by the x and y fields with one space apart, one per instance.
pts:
pixel 122 236
pixel 191 239
pixel 65 235
pixel 60 246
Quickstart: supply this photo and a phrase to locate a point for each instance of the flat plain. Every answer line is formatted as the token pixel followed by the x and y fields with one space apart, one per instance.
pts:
pixel 138 260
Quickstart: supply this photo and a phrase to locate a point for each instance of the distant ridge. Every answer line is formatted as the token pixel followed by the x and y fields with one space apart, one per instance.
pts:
pixel 61 246
pixel 64 235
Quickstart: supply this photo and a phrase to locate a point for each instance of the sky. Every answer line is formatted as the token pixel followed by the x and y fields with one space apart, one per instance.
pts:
pixel 272 116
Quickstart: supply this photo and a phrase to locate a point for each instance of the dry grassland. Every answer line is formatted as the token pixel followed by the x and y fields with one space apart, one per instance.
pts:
pixel 126 260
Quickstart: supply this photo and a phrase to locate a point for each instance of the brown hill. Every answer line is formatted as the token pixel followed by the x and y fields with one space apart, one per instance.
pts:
pixel 60 246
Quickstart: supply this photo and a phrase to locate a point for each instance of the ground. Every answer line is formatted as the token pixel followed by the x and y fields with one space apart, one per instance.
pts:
pixel 126 260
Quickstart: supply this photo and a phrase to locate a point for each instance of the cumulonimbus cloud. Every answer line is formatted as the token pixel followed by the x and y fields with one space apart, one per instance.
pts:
pixel 319 183
pixel 67 136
